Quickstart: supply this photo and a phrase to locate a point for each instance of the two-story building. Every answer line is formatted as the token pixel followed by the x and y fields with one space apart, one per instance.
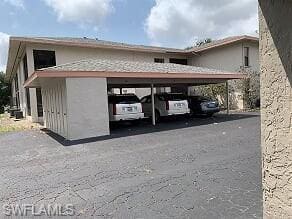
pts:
pixel 29 54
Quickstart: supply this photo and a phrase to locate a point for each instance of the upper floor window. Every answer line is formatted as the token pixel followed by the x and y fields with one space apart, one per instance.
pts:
pixel 43 59
pixel 178 61
pixel 159 60
pixel 25 69
pixel 246 56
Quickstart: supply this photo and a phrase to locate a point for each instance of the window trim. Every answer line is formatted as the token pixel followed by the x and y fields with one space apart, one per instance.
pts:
pixel 159 60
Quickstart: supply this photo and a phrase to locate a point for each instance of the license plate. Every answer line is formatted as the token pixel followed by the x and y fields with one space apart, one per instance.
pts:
pixel 129 109
pixel 180 105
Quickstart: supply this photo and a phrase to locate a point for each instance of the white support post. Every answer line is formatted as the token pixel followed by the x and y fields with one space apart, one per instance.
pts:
pixel 153 105
pixel 227 98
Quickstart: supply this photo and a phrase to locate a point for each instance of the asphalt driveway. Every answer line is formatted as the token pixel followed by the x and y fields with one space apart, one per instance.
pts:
pixel 198 168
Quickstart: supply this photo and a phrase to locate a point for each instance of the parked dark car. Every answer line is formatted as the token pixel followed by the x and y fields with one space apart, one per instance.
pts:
pixel 200 105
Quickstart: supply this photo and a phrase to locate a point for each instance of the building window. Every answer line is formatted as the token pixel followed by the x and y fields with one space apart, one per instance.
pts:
pixel 158 60
pixel 25 69
pixel 27 94
pixel 178 61
pixel 42 59
pixel 246 56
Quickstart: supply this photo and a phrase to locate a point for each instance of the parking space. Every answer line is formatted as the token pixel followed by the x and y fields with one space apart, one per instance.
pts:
pixel 196 168
pixel 129 128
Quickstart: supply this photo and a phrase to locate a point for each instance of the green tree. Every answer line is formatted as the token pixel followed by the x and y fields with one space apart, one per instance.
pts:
pixel 200 43
pixel 203 42
pixel 4 92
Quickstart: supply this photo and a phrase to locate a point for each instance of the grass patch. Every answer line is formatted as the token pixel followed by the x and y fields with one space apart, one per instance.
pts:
pixel 11 128
pixel 8 124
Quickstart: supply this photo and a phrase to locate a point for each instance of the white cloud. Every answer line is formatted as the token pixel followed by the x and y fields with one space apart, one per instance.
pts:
pixel 182 22
pixel 16 3
pixel 4 42
pixel 82 12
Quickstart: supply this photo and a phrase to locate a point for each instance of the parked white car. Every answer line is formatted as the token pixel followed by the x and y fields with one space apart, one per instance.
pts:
pixel 124 107
pixel 166 104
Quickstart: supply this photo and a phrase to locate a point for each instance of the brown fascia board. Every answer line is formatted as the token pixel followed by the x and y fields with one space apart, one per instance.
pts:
pixel 92 45
pixel 146 75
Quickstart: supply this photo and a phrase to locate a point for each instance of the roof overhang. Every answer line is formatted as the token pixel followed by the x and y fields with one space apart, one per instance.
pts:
pixel 14 56
pixel 131 78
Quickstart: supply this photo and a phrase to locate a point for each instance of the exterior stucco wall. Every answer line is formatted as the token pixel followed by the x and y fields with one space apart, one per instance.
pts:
pixel 276 97
pixel 228 58
pixel 87 108
pixel 71 54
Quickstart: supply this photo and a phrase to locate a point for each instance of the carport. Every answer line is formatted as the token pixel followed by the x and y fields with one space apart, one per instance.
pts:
pixel 75 98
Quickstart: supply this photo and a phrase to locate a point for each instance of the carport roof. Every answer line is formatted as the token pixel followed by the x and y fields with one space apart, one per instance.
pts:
pixel 106 68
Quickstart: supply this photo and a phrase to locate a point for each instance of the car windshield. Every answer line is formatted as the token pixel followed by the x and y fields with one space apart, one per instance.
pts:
pixel 126 99
pixel 172 97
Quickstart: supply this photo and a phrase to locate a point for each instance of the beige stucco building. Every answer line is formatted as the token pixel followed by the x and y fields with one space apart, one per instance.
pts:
pixel 276 95
pixel 29 54
pixel 232 57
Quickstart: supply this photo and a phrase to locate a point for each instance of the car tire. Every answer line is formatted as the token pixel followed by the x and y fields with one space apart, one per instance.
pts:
pixel 192 113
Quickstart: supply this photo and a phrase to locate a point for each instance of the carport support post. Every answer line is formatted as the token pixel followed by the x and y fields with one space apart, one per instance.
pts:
pixel 153 105
pixel 227 98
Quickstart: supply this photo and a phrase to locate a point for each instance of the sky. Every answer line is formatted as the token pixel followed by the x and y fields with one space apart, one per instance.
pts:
pixel 170 23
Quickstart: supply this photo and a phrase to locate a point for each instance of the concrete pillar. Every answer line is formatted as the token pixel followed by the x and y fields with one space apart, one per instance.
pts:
pixel 32 91
pixel 87 108
pixel 276 104
pixel 153 105
pixel 227 98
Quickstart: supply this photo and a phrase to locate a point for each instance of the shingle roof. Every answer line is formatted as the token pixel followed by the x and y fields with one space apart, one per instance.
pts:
pixel 89 42
pixel 97 43
pixel 129 71
pixel 106 65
